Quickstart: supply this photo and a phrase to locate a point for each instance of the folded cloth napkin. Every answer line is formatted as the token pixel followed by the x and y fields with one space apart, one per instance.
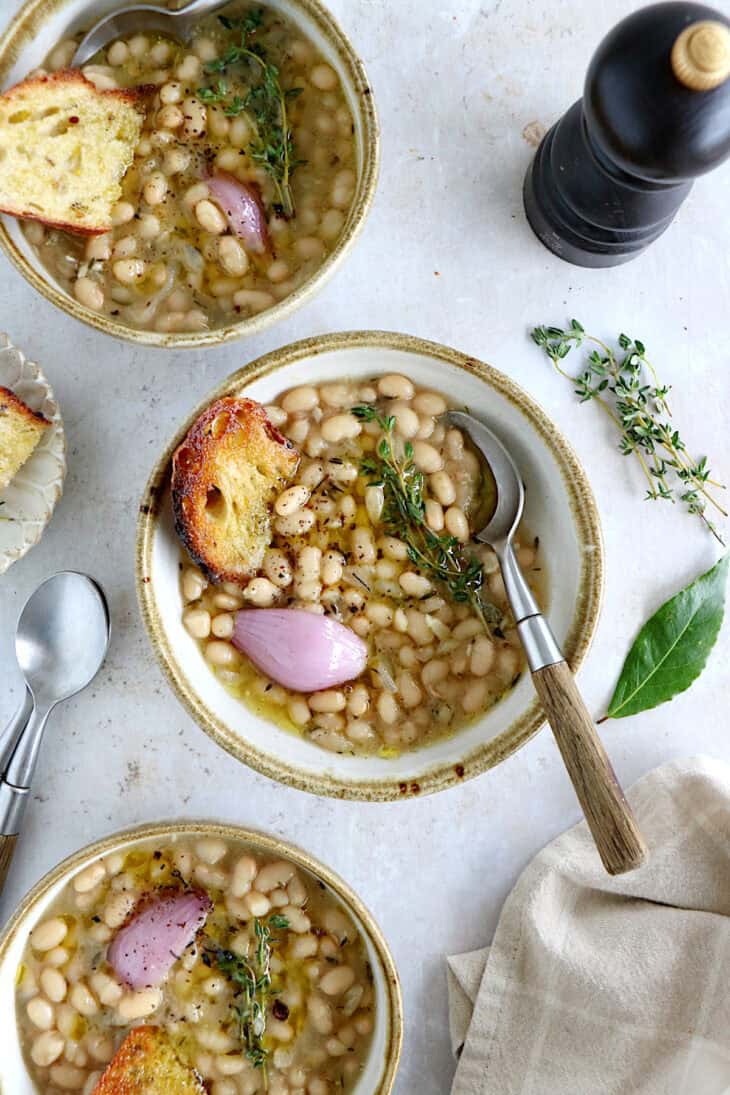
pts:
pixel 610 986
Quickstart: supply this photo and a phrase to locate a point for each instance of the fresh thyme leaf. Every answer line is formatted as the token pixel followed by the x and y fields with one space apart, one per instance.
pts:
pixel 213 94
pixel 442 557
pixel 278 921
pixel 627 388
pixel 272 146
pixel 252 978
pixel 673 646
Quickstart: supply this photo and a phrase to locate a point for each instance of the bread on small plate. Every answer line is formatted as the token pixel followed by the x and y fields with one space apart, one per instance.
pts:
pixel 226 476
pixel 20 431
pixel 146 1064
pixel 29 493
pixel 65 147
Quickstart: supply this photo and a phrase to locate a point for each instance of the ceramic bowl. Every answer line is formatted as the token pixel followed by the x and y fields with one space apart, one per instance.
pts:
pixel 41 24
pixel 559 507
pixel 28 501
pixel 382 1063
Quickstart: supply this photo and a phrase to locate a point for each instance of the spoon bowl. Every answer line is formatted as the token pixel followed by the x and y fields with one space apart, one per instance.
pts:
pixel 510 504
pixel 61 642
pixel 62 636
pixel 140 18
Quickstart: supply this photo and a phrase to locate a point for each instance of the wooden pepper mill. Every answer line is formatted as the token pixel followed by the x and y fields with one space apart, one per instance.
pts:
pixel 610 176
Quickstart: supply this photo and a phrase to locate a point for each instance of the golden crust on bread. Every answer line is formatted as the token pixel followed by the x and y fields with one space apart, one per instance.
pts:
pixel 20 431
pixel 226 476
pixel 146 1064
pixel 65 147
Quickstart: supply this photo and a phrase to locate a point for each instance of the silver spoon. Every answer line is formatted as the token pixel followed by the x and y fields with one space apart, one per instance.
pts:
pixel 60 643
pixel 615 832
pixel 139 18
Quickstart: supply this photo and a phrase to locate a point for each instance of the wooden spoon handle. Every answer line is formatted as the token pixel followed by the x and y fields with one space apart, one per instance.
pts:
pixel 610 820
pixel 7 847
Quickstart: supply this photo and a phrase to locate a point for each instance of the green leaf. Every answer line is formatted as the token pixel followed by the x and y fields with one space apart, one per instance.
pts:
pixel 671 650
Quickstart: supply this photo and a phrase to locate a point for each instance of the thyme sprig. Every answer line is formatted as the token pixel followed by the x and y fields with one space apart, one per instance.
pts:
pixel 266 103
pixel 442 557
pixel 252 977
pixel 626 387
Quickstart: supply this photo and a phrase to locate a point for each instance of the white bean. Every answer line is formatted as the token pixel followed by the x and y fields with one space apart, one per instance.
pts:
pixel 474 696
pixel 429 403
pixel 49 934
pixel 47 1048
pixel 300 400
pixel 82 998
pixel 41 1013
pixel 482 656
pixel 363 547
pixel 257 903
pixel 232 256
pixel 53 984
pixel 154 191
pixel 277 568
pixel 138 1005
pixel 210 217
pixel 261 592
pixel 434 515
pixel 413 584
pixel 387 708
pixel 195 118
pixel 340 427
pixel 426 458
pixel 395 386
pixel 89 293
pixel 443 487
pixel 295 524
pixel 292 499
pixel 255 300
pixel 456 523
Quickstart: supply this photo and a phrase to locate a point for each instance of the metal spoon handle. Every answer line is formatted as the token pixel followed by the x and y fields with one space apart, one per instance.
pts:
pixel 615 832
pixel 16 726
pixel 15 785
pixel 200 7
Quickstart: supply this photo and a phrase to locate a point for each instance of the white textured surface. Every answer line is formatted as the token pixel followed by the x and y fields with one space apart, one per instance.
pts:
pixel 456 85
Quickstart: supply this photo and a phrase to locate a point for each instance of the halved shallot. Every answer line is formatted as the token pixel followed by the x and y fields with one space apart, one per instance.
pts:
pixel 241 203
pixel 302 651
pixel 145 949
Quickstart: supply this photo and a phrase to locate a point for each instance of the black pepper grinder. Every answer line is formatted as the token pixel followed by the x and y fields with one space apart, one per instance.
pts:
pixel 610 176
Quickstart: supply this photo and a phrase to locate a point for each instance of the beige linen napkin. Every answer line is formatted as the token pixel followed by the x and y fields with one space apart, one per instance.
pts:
pixel 610 986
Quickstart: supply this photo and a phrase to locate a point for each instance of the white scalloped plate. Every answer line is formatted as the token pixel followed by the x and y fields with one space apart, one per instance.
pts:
pixel 28 501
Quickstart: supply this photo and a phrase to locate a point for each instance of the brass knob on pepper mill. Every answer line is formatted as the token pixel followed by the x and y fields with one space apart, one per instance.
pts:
pixel 610 175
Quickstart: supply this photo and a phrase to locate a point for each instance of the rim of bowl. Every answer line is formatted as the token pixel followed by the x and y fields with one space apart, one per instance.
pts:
pixel 271 845
pixel 446 773
pixel 23 27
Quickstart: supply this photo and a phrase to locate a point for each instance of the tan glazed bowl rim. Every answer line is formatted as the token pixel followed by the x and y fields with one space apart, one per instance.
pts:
pixel 270 845
pixel 487 753
pixel 22 29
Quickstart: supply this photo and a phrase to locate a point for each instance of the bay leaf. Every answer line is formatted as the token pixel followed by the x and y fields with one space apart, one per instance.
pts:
pixel 673 646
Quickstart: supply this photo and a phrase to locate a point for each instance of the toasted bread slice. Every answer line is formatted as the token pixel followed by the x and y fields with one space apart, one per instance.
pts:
pixel 146 1064
pixel 225 478
pixel 64 149
pixel 20 431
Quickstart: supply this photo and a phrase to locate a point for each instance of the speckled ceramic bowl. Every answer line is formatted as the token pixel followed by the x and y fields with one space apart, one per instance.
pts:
pixel 40 24
pixel 559 507
pixel 382 1063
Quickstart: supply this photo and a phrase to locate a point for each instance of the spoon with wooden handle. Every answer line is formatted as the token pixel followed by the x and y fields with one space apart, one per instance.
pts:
pixel 60 643
pixel 610 820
